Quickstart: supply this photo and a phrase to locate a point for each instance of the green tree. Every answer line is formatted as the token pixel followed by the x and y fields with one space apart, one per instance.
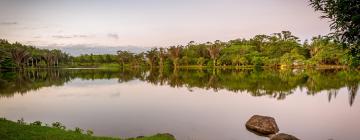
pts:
pixel 344 16
pixel 174 53
pixel 152 57
pixel 214 50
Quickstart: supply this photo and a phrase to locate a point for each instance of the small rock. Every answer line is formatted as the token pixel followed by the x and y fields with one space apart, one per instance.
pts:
pixel 262 124
pixel 282 136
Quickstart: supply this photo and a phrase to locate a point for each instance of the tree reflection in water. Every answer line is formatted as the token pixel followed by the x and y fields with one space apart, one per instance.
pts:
pixel 273 83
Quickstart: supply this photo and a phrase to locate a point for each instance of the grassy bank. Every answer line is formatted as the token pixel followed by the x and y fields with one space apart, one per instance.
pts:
pixel 10 130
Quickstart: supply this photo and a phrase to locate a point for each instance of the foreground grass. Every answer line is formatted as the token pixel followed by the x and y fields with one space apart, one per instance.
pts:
pixel 16 131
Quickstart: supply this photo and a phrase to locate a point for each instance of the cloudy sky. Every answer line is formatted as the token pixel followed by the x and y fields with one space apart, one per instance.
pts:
pixel 148 23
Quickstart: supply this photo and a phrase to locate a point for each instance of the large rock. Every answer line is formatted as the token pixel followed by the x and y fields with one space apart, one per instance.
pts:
pixel 262 124
pixel 282 136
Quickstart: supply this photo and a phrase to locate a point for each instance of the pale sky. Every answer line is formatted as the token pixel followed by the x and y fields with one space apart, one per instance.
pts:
pixel 148 23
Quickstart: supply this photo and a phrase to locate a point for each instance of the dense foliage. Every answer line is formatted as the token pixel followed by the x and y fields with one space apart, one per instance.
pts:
pixel 276 50
pixel 344 16
pixel 20 56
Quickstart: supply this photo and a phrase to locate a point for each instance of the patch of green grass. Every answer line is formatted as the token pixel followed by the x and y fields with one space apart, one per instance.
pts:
pixel 10 130
pixel 109 66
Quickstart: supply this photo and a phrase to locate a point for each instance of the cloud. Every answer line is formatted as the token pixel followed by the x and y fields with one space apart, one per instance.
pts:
pixel 69 36
pixel 114 36
pixel 8 23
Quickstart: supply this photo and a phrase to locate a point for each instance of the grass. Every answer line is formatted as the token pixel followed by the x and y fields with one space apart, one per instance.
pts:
pixel 10 130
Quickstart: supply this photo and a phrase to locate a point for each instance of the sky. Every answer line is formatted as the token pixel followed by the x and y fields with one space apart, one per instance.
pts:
pixel 150 23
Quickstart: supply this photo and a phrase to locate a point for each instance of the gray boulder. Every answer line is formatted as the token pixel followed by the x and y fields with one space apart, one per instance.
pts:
pixel 262 124
pixel 282 136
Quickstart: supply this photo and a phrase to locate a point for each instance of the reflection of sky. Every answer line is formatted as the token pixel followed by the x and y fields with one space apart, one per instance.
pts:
pixel 139 108
pixel 152 22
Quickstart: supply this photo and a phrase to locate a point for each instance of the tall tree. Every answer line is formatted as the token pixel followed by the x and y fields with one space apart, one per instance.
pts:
pixel 151 56
pixel 162 56
pixel 124 57
pixel 19 55
pixel 214 50
pixel 174 53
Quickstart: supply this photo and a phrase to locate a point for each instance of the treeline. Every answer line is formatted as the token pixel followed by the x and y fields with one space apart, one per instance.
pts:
pixel 279 49
pixel 276 50
pixel 20 56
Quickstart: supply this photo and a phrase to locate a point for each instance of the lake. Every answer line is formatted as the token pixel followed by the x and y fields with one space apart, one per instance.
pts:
pixel 191 104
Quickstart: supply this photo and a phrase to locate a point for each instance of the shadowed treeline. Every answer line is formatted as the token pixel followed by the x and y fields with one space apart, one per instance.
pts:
pixel 273 83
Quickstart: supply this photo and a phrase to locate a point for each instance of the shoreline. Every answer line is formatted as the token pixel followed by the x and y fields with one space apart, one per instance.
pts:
pixel 34 131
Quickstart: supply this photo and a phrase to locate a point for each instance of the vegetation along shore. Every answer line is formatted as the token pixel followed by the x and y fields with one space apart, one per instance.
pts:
pixel 20 130
pixel 278 50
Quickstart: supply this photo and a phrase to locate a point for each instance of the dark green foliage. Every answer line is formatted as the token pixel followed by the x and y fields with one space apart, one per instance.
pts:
pixel 344 16
pixel 58 125
pixel 17 55
pixel 37 123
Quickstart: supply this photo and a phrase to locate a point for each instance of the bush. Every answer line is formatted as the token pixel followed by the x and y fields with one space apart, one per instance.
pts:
pixel 89 132
pixel 58 125
pixel 37 123
pixel 78 130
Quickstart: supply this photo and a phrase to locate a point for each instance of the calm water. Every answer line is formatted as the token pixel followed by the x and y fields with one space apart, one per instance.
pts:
pixel 190 104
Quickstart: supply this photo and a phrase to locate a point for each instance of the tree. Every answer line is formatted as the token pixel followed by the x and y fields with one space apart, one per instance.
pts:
pixel 344 17
pixel 323 50
pixel 19 55
pixel 49 58
pixel 174 53
pixel 161 56
pixel 151 56
pixel 200 61
pixel 214 50
pixel 124 57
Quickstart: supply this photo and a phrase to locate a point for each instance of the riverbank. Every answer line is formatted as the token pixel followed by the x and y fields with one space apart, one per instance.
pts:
pixel 118 67
pixel 10 130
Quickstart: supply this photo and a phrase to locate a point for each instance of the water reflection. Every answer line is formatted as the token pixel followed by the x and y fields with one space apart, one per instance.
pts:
pixel 276 84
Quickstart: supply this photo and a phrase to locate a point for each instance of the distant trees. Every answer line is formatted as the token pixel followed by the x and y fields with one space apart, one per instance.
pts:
pixel 174 53
pixel 278 49
pixel 20 56
pixel 324 50
pixel 275 50
pixel 162 56
pixel 124 57
pixel 152 56
pixel 214 50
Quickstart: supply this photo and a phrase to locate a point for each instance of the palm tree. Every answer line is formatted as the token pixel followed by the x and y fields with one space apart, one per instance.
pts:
pixel 162 56
pixel 151 56
pixel 19 55
pixel 48 56
pixel 214 50
pixel 124 57
pixel 57 55
pixel 174 53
